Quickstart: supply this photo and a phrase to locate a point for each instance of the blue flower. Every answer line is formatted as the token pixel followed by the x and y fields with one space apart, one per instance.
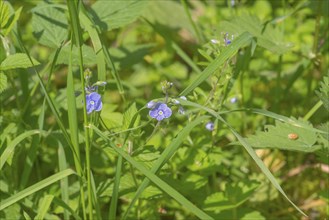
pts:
pixel 94 102
pixel 233 100
pixel 160 111
pixel 151 104
pixel 210 126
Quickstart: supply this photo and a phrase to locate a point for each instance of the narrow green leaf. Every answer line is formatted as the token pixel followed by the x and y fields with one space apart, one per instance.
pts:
pixel 165 156
pixel 11 147
pixel 18 60
pixel 227 53
pixel 250 150
pixel 34 188
pixel 13 21
pixel 4 14
pixel 64 182
pixel 44 206
pixel 3 82
pixel 155 179
pixel 115 194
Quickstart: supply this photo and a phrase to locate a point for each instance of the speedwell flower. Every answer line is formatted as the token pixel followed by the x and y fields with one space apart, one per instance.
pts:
pixel 94 102
pixel 160 111
pixel 210 126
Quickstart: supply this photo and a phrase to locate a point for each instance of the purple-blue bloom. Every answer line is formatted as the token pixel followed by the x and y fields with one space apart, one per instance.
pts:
pixel 160 111
pixel 94 102
pixel 210 126
pixel 234 100
pixel 151 104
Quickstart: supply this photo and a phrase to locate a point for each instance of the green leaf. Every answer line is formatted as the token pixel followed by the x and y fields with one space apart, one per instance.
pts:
pixel 4 14
pixel 11 147
pixel 155 179
pixel 233 196
pixel 34 188
pixel 267 36
pixel 129 115
pixel 3 82
pixel 49 24
pixel 323 93
pixel 165 156
pixel 89 56
pixel 109 15
pixel 285 136
pixel 18 60
pixel 248 147
pixel 227 53
pixel 13 21
pixel 44 206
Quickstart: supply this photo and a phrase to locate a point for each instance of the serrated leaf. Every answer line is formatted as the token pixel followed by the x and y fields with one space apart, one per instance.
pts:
pixel 49 25
pixel 267 36
pixel 323 92
pixel 89 56
pixel 109 15
pixel 285 136
pixel 3 82
pixel 4 14
pixel 234 195
pixel 18 60
pixel 128 116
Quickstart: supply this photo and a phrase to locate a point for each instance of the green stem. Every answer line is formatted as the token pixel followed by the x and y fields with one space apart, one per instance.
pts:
pixel 76 28
pixel 313 110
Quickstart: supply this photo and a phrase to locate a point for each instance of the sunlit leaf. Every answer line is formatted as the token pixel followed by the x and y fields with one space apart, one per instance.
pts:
pixel 18 60
pixel 286 137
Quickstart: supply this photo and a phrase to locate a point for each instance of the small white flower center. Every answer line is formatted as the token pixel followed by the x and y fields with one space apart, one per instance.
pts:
pixel 92 102
pixel 160 112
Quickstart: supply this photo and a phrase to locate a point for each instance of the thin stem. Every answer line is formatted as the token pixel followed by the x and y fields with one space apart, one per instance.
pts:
pixel 313 110
pixel 76 28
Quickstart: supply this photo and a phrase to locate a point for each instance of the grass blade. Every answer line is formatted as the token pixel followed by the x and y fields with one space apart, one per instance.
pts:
pixel 227 53
pixel 34 188
pixel 250 150
pixel 11 147
pixel 156 180
pixel 165 156
pixel 45 204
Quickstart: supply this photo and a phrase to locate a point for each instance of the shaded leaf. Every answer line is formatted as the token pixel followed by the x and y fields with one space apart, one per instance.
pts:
pixel 49 24
pixel 109 15
pixel 89 56
pixel 234 195
pixel 18 60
